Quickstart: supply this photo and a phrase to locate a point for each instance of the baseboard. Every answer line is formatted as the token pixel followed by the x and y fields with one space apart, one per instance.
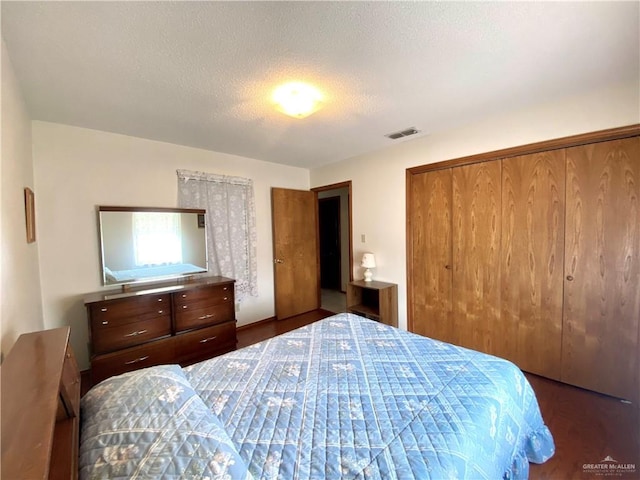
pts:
pixel 253 324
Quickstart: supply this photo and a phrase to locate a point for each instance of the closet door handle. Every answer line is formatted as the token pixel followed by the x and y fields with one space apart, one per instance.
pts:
pixel 570 278
pixel 448 267
pixel 278 260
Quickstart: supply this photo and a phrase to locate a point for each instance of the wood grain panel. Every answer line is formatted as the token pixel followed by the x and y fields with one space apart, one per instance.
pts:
pixel 124 311
pixel 205 343
pixel 122 336
pixel 476 255
pixel 533 191
pixel 37 442
pixel 211 295
pixel 539 147
pixel 430 243
pixel 201 317
pixel 158 352
pixel 602 268
pixel 295 244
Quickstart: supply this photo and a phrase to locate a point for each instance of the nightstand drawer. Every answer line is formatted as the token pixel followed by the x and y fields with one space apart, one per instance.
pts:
pixel 187 319
pixel 130 334
pixel 155 353
pixel 203 296
pixel 128 310
pixel 205 343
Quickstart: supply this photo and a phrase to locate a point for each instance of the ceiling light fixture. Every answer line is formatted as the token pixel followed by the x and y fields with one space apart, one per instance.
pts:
pixel 297 99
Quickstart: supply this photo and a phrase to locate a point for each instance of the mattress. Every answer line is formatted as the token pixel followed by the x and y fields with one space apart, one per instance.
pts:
pixel 345 397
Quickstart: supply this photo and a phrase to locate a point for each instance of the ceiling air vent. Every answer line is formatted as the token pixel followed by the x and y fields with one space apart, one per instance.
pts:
pixel 403 133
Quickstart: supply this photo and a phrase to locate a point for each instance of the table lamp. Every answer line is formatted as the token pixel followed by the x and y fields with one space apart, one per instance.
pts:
pixel 368 262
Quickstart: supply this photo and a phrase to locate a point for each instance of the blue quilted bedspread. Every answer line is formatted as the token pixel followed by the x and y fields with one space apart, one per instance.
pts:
pixel 342 398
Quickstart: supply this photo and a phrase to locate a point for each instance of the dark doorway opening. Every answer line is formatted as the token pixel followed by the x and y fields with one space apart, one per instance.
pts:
pixel 330 263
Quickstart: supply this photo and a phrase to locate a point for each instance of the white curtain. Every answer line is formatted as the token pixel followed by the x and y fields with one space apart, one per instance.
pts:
pixel 230 224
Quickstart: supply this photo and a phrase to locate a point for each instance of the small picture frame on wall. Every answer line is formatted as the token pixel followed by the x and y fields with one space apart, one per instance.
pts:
pixel 30 214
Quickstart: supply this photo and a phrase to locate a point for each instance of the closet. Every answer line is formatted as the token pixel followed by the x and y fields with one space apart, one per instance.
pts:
pixel 533 254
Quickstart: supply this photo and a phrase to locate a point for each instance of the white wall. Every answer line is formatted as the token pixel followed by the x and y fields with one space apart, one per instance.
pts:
pixel 20 296
pixel 378 189
pixel 77 169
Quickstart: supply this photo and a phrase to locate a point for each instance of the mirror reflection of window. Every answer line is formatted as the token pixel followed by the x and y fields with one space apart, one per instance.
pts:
pixel 156 238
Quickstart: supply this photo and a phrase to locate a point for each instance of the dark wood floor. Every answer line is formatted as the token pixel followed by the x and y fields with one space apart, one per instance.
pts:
pixel 586 426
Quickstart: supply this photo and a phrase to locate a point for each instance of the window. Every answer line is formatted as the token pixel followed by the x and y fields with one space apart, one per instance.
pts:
pixel 230 223
pixel 156 239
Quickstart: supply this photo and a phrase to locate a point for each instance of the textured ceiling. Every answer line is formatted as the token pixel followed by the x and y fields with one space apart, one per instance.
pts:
pixel 201 73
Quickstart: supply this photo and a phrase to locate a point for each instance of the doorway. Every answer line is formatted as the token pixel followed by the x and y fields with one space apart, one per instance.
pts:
pixel 335 240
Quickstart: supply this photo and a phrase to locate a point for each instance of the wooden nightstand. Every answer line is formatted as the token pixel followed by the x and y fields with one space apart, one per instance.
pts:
pixel 374 300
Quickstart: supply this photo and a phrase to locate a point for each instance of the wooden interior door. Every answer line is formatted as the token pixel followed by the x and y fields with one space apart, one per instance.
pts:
pixel 533 205
pixel 295 250
pixel 430 245
pixel 476 255
pixel 602 268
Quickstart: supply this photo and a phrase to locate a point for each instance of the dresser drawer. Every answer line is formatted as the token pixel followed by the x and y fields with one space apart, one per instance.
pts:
pixel 131 334
pixel 69 387
pixel 128 310
pixel 155 353
pixel 205 296
pixel 205 343
pixel 187 319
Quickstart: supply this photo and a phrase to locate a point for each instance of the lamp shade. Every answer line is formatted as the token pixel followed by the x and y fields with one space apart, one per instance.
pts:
pixel 368 260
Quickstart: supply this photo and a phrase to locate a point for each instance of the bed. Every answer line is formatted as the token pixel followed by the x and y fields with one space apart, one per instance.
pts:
pixel 344 397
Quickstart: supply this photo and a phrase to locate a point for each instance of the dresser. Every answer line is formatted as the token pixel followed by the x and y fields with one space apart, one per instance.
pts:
pixel 182 324
pixel 40 407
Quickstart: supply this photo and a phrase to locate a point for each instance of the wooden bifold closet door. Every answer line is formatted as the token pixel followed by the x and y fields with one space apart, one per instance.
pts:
pixel 476 256
pixel 430 195
pixel 533 254
pixel 532 264
pixel 602 268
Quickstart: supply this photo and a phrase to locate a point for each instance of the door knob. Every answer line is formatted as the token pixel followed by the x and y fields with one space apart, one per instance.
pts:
pixel 278 260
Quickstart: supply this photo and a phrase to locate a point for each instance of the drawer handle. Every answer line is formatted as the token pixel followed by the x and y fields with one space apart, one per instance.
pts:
pixel 226 298
pixel 103 309
pixel 105 322
pixel 184 295
pixel 205 340
pixel 160 312
pixel 226 288
pixel 159 299
pixel 137 360
pixel 133 334
pixel 184 306
pixel 204 317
